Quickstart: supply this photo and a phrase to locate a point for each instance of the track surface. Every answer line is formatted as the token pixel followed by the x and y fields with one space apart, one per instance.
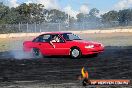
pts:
pixel 114 63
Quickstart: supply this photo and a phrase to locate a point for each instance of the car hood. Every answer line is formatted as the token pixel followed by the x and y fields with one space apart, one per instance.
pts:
pixel 86 42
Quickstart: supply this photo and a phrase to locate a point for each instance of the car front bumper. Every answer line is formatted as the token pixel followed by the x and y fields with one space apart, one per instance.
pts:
pixel 88 51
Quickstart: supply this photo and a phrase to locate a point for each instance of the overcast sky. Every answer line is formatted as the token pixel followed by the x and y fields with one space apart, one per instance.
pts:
pixel 73 7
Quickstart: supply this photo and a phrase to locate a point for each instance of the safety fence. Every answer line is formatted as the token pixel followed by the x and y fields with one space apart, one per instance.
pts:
pixel 44 27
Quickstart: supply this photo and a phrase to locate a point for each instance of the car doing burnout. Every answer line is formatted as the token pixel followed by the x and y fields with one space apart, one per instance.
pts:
pixel 69 44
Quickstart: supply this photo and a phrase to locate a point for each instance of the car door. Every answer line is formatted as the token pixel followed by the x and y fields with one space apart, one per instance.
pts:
pixel 61 47
pixel 42 43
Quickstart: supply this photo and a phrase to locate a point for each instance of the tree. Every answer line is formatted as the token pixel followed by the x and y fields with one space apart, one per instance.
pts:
pixel 90 17
pixel 4 10
pixel 93 12
pixel 24 13
pixel 125 16
pixel 30 12
pixel 80 17
pixel 36 12
pixel 57 16
pixel 12 17
pixel 110 16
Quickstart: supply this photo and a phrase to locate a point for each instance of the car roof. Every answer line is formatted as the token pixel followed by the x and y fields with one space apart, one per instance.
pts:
pixel 54 33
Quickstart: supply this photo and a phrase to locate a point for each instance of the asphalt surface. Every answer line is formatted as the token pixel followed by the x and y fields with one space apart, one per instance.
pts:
pixel 114 63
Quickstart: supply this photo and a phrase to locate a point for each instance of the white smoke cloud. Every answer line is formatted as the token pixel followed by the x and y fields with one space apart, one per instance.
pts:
pixel 29 1
pixel 11 3
pixel 48 4
pixel 123 4
pixel 84 9
pixel 68 9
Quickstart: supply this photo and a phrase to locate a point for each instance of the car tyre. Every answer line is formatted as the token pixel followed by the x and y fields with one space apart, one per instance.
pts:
pixel 75 53
pixel 36 53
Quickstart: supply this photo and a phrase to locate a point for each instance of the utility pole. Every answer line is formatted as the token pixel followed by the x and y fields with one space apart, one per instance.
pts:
pixel 68 14
pixel 68 19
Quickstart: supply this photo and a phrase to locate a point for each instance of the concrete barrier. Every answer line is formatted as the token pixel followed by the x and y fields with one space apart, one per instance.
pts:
pixel 12 35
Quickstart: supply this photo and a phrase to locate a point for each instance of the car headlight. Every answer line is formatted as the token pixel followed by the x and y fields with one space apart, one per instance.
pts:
pixel 89 46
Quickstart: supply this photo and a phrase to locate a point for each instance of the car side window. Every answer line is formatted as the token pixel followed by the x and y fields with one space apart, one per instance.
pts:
pixel 56 39
pixel 36 39
pixel 61 40
pixel 65 36
pixel 46 38
pixel 43 38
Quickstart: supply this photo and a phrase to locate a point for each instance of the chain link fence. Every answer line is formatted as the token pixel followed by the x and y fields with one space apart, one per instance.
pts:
pixel 44 27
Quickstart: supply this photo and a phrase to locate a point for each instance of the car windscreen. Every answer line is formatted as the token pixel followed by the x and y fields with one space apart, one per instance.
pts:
pixel 70 37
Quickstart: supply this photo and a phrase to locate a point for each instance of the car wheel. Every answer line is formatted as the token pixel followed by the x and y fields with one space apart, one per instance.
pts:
pixel 75 53
pixel 36 53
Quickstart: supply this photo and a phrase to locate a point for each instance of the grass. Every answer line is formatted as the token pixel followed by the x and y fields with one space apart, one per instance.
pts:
pixel 111 39
pixel 7 44
pixel 108 39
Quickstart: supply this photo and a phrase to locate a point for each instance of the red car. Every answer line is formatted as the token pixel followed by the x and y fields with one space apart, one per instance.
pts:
pixel 66 44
